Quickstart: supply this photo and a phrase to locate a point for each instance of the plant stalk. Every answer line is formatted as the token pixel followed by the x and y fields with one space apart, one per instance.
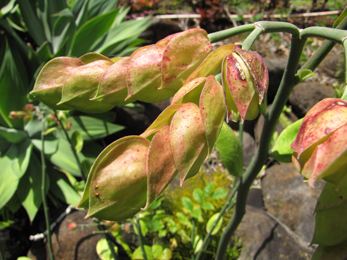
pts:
pixel 43 193
pixel 141 239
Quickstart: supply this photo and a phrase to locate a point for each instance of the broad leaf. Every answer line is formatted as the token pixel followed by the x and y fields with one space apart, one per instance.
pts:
pixel 60 188
pixel 282 150
pixel 90 32
pixel 93 128
pixel 229 149
pixel 212 225
pixel 12 135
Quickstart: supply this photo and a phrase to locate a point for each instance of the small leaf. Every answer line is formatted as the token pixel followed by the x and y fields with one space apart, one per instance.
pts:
pixel 219 193
pixel 212 223
pixel 197 244
pixel 137 255
pixel 187 203
pixel 77 141
pixel 229 149
pixel 198 195
pixel 305 74
pixel 282 149
pixel 103 249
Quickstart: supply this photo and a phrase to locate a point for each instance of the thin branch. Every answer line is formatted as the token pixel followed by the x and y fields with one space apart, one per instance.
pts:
pixel 43 192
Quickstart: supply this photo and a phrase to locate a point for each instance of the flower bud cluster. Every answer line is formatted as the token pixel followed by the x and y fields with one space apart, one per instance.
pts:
pixel 94 83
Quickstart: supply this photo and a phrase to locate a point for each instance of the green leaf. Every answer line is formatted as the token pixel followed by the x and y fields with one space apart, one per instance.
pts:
pixel 65 159
pixel 187 203
pixel 282 150
pixel 12 135
pixel 305 74
pixel 331 252
pixel 198 195
pixel 229 149
pixel 158 252
pixel 219 193
pixel 13 166
pixel 197 244
pixel 11 85
pixel 330 225
pixel 137 255
pixel 77 141
pixel 63 29
pixel 30 192
pixel 103 250
pixel 212 223
pixel 90 32
pixel 50 145
pixel 63 190
pixel 340 18
pixel 93 128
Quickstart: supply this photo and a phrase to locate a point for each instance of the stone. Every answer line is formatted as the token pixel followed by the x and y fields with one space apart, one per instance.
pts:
pixel 263 238
pixel 74 238
pixel 307 94
pixel 249 148
pixel 288 198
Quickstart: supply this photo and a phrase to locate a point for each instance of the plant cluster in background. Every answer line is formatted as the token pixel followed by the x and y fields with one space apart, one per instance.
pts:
pixel 176 224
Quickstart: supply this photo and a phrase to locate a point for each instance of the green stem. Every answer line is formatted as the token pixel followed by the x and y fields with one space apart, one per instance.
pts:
pixel 222 35
pixel 109 240
pixel 332 34
pixel 249 41
pixel 71 145
pixel 43 193
pixel 323 51
pixel 141 239
pixel 286 85
pixel 228 205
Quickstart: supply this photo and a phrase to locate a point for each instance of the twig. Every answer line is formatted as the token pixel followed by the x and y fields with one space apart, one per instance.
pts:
pixel 43 192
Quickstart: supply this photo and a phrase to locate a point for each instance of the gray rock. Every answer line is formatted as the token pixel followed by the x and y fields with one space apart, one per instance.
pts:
pixel 263 238
pixel 249 148
pixel 306 94
pixel 289 199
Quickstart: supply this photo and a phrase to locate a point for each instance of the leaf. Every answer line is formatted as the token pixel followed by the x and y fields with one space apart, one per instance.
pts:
pixel 63 29
pixel 187 203
pixel 30 192
pixel 219 193
pixel 330 226
pixel 282 150
pixel 198 195
pixel 103 249
pixel 197 244
pixel 13 166
pixel 137 255
pixel 340 18
pixel 305 74
pixel 11 85
pixel 50 145
pixel 12 135
pixel 93 128
pixel 65 159
pixel 212 223
pixel 331 252
pixel 229 149
pixel 77 141
pixel 90 32
pixel 61 189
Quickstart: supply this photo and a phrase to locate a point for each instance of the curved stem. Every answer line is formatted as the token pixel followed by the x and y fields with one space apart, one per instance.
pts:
pixel 286 85
pixel 251 38
pixel 332 34
pixel 222 35
pixel 43 193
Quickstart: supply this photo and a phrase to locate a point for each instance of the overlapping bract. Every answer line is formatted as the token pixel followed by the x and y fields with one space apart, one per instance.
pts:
pixel 245 80
pixel 320 148
pixel 94 83
pixel 136 169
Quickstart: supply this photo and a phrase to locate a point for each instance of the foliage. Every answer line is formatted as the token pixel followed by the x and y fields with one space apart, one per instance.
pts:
pixel 34 32
pixel 175 228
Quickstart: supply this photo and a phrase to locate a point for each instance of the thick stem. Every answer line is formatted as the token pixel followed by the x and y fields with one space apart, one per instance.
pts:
pixel 286 85
pixel 332 34
pixel 43 193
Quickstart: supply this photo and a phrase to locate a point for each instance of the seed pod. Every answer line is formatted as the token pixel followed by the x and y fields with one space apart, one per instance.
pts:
pixel 321 141
pixel 245 80
pixel 95 83
pixel 138 167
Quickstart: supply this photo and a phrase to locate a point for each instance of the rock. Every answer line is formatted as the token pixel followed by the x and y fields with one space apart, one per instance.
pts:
pixel 255 198
pixel 276 66
pixel 74 238
pixel 263 238
pixel 288 198
pixel 306 94
pixel 333 64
